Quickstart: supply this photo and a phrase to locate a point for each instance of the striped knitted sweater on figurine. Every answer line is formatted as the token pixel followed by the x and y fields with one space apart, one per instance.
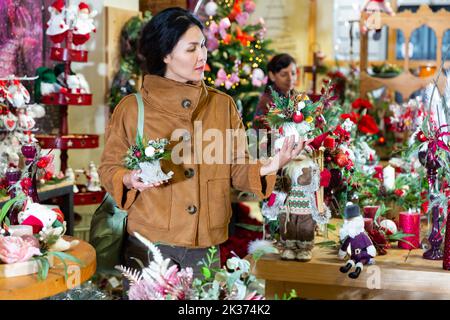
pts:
pixel 297 202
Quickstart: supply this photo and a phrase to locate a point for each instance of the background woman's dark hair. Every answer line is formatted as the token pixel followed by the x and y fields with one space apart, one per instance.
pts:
pixel 277 63
pixel 161 34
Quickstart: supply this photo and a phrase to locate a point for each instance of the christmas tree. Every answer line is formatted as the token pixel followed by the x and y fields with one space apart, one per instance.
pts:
pixel 237 52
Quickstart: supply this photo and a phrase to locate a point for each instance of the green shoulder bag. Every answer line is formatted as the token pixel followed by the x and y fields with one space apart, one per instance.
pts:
pixel 108 225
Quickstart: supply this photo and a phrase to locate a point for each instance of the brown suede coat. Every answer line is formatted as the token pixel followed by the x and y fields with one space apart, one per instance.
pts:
pixel 194 208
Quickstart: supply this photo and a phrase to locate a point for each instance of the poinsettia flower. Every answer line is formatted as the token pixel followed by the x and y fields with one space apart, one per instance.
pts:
pixel 249 6
pixel 243 37
pixel 224 25
pixel 318 141
pixel 342 134
pixel 242 18
pixel 235 11
pixel 368 125
pixel 353 116
pixel 361 104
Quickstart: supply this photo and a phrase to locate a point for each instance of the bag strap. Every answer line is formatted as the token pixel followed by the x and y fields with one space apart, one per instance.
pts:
pixel 140 127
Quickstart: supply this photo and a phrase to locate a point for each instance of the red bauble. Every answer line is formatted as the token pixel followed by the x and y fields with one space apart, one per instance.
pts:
pixel 297 117
pixel 421 136
pixel 341 160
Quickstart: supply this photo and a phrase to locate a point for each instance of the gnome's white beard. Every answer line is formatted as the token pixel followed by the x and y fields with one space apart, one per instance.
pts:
pixel 352 227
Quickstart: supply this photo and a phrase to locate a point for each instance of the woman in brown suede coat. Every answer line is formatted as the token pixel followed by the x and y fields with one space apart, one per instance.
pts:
pixel 191 211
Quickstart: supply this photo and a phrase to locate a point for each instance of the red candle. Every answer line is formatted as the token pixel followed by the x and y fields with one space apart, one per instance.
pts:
pixel 409 222
pixel 368 224
pixel 370 211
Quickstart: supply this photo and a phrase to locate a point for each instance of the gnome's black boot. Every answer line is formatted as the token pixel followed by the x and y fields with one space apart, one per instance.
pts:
pixel 355 274
pixel 347 267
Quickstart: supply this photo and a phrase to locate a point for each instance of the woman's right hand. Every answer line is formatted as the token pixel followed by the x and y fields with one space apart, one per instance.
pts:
pixel 131 180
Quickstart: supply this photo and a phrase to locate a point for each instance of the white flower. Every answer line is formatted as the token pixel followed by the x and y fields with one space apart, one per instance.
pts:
pixel 348 125
pixel 150 151
pixel 301 105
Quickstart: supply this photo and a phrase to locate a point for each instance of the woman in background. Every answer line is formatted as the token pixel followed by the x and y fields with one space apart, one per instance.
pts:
pixel 282 70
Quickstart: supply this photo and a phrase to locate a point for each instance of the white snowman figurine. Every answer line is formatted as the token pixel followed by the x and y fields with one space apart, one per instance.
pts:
pixel 93 178
pixel 70 176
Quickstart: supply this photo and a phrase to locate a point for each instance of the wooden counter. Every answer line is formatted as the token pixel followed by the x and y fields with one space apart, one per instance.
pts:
pixel 29 288
pixel 401 274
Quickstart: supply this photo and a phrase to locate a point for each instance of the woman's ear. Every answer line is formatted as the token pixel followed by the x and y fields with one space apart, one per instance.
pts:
pixel 167 59
pixel 271 76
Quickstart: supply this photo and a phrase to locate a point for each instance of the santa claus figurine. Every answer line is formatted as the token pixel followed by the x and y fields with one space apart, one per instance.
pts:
pixel 84 24
pixel 353 237
pixel 57 26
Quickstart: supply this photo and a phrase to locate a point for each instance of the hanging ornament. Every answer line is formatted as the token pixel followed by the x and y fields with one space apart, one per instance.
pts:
pixel 297 117
pixel 211 8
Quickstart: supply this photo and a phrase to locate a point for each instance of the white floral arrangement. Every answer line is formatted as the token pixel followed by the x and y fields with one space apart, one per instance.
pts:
pixel 146 156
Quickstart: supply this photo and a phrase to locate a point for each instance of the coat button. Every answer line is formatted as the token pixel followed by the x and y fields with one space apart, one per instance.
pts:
pixel 191 209
pixel 189 173
pixel 186 103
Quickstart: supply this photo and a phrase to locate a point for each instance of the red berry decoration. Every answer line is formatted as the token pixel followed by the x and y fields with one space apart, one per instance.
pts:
pixel 43 162
pixel 48 175
pixel 138 154
pixel 297 117
pixel 341 160
pixel 421 136
pixel 280 130
pixel 25 183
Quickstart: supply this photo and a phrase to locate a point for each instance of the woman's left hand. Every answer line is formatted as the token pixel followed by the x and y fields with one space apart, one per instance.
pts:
pixel 288 151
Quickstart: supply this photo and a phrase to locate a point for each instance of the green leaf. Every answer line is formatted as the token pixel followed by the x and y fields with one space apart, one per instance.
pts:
pixel 206 272
pixel 331 227
pixel 327 244
pixel 9 204
pixel 63 257
pixel 250 227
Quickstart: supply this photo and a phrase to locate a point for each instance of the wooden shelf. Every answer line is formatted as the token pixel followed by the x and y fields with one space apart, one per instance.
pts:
pixel 73 141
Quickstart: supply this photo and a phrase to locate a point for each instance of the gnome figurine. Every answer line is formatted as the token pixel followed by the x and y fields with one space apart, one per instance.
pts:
pixel 353 237
pixel 299 215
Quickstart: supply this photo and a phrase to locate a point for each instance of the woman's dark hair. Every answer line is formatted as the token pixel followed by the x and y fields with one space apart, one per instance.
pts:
pixel 277 63
pixel 161 34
